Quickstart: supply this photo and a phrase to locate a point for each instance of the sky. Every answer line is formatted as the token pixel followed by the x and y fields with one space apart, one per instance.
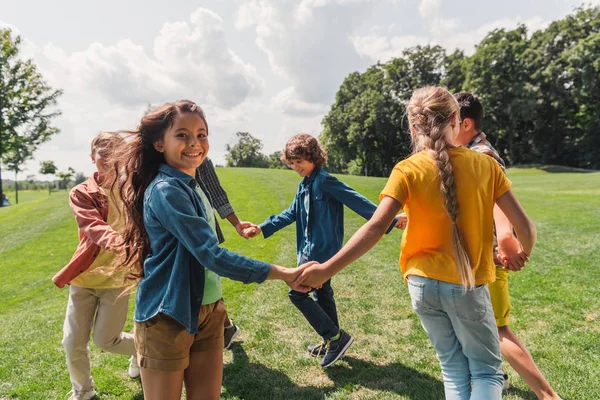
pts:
pixel 268 67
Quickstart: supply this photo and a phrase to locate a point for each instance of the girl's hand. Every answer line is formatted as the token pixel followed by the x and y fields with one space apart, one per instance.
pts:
pixel 244 229
pixel 289 276
pixel 251 231
pixel 402 221
pixel 313 276
pixel 511 254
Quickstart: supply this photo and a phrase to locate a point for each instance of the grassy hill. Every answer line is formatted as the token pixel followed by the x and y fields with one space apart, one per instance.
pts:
pixel 556 302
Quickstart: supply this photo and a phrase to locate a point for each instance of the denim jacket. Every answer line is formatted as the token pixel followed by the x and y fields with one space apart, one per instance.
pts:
pixel 182 244
pixel 320 233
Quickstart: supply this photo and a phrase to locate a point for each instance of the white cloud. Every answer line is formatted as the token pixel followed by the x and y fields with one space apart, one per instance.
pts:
pixel 108 86
pixel 381 48
pixel 189 60
pixel 308 44
pixel 446 32
pixel 290 103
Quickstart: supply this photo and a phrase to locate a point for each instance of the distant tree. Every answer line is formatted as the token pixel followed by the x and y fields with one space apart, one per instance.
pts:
pixel 20 151
pixel 275 161
pixel 65 177
pixel 80 178
pixel 246 152
pixel 27 105
pixel 48 168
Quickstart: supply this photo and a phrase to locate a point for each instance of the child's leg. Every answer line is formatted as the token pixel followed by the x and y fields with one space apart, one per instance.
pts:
pixel 204 376
pixel 519 358
pixel 473 321
pixel 110 320
pixel 76 335
pixel 327 302
pixel 161 385
pixel 314 314
pixel 427 303
pixel 512 349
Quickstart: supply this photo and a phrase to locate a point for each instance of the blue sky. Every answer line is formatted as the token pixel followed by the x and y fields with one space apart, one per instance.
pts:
pixel 269 67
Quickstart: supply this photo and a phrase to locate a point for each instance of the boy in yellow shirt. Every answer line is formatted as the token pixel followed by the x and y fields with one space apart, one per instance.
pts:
pixel 517 355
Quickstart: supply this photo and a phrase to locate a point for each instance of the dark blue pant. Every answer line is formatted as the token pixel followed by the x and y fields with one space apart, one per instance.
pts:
pixel 320 314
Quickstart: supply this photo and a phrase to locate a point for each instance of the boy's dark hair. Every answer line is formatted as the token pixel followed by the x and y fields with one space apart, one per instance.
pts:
pixel 470 107
pixel 306 147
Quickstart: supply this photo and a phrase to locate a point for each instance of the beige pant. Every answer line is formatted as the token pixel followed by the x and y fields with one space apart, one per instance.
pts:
pixel 103 311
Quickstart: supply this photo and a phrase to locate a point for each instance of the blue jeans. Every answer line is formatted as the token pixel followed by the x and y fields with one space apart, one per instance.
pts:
pixel 320 313
pixel 462 329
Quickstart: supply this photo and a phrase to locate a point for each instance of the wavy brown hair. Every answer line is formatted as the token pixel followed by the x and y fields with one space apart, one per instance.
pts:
pixel 304 146
pixel 432 111
pixel 136 165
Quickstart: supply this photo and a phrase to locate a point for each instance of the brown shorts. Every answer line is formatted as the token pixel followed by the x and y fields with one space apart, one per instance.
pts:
pixel 163 344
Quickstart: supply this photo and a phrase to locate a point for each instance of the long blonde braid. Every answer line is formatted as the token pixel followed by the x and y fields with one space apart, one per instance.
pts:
pixel 431 111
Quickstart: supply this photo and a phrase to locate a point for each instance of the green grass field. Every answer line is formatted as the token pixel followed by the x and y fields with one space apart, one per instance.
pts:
pixel 556 302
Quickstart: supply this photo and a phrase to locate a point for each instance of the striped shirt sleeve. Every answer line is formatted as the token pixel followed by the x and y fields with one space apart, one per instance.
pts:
pixel 218 196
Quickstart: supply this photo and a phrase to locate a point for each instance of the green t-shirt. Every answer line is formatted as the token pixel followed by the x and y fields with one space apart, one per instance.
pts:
pixel 212 282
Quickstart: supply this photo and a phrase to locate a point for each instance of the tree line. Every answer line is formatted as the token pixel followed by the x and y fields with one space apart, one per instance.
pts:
pixel 541 94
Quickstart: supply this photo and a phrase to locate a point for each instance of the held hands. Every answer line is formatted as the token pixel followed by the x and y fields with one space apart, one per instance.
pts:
pixel 313 275
pixel 251 231
pixel 290 276
pixel 247 229
pixel 511 254
pixel 402 221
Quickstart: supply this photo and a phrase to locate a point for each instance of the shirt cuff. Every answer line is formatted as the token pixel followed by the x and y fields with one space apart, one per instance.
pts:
pixel 225 210
pixel 266 229
pixel 260 271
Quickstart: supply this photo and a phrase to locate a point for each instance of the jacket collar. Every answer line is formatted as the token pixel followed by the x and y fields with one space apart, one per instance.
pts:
pixel 175 173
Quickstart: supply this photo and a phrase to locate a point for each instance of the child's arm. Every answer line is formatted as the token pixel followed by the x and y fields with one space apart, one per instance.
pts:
pixel 90 221
pixel 172 207
pixel 276 222
pixel 92 225
pixel 219 198
pixel 352 199
pixel 361 242
pixel 522 224
pixel 509 249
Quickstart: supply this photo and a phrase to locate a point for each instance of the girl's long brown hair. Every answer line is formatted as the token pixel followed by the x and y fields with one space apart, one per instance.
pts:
pixel 135 166
pixel 431 112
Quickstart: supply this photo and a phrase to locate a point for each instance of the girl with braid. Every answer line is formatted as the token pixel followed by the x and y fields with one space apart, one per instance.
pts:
pixel 448 194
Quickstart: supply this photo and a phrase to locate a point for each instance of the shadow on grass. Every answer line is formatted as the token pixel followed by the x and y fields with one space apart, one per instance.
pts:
pixel 251 381
pixel 394 377
pixel 524 394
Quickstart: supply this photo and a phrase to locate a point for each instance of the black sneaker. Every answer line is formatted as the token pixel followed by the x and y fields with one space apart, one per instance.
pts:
pixel 336 349
pixel 231 333
pixel 316 349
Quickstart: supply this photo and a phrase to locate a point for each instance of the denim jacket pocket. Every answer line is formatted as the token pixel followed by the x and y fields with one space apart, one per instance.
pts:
pixel 417 295
pixel 471 305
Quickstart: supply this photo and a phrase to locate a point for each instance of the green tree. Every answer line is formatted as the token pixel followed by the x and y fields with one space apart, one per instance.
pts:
pixel 563 63
pixel 246 152
pixel 48 168
pixel 455 71
pixel 365 129
pixel 499 76
pixel 80 178
pixel 20 151
pixel 65 177
pixel 275 161
pixel 27 103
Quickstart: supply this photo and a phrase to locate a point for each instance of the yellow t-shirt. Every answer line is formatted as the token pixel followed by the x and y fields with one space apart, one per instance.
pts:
pixel 101 274
pixel 426 248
